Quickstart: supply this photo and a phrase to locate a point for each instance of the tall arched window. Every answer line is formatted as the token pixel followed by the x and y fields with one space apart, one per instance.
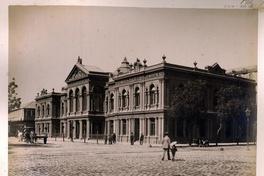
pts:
pixel 71 100
pixel 62 109
pixel 48 110
pixel 137 97
pixel 124 95
pixel 106 104
pixel 152 94
pixel 77 96
pixel 84 99
pixel 38 111
pixel 43 110
pixel 112 102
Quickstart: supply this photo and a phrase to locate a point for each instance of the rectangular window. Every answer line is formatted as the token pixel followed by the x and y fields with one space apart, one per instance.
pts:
pixel 124 127
pixel 152 126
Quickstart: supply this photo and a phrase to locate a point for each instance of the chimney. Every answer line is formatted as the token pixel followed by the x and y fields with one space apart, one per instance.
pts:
pixel 79 60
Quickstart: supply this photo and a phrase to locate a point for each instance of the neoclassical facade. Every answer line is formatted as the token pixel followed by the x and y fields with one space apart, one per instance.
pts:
pixel 82 111
pixel 138 98
pixel 47 113
pixel 135 99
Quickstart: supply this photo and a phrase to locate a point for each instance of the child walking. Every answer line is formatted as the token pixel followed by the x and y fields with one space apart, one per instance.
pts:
pixel 173 149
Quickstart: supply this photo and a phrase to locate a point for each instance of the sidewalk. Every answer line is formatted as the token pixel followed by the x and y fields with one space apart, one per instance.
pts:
pixel 100 141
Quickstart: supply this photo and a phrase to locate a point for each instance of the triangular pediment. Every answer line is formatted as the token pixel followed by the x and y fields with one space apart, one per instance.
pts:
pixel 76 74
pixel 215 68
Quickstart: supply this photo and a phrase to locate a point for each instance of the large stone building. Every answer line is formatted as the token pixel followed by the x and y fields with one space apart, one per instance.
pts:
pixel 136 98
pixel 77 111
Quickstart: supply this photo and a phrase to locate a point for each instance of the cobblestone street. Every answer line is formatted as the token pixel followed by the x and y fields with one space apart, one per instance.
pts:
pixel 67 158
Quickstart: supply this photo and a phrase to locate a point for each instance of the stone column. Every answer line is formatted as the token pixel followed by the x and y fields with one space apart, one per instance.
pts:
pixel 50 128
pixel 156 127
pixel 162 127
pixel 68 105
pixel 81 130
pixel 74 130
pixel 108 127
pixel 88 128
pixel 129 126
pixel 114 126
pixel 65 108
pixel 160 93
pixel 68 129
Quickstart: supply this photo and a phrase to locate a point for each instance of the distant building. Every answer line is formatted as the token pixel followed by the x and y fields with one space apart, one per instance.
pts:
pixel 21 118
pixel 245 72
pixel 47 113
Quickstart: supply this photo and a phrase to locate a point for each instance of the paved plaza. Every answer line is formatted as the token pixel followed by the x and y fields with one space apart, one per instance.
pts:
pixel 78 158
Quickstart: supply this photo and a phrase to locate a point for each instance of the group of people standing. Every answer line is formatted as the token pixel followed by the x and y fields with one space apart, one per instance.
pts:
pixel 168 146
pixel 26 135
pixel 111 139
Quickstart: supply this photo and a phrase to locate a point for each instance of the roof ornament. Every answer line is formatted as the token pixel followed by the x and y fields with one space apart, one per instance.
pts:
pixel 79 60
pixel 164 58
pixel 195 65
pixel 145 62
pixel 53 90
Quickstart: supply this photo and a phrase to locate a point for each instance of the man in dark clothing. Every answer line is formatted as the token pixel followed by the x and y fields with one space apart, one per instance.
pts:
pixel 141 139
pixel 114 138
pixel 132 138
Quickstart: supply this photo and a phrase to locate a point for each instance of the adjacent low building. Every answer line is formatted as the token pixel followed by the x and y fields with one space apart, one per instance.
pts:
pixel 21 118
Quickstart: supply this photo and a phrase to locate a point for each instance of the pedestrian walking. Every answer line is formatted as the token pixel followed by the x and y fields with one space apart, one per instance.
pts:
pixel 32 136
pixel 105 139
pixel 166 146
pixel 110 139
pixel 132 138
pixel 141 139
pixel 114 138
pixel 173 149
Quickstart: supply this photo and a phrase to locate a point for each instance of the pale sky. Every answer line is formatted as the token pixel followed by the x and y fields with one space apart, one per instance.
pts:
pixel 45 42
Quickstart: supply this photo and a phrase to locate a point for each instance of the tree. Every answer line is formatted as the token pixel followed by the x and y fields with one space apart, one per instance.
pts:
pixel 188 102
pixel 231 103
pixel 13 101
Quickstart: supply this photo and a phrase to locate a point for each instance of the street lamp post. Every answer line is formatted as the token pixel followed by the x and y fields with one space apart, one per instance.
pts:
pixel 247 111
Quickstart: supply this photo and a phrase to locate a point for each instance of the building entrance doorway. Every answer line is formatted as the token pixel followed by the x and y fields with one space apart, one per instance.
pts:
pixel 136 129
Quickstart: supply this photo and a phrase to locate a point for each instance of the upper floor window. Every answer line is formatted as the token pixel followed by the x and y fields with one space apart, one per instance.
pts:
pixel 62 109
pixel 71 100
pixel 84 99
pixel 124 98
pixel 106 104
pixel 48 110
pixel 137 97
pixel 38 111
pixel 43 110
pixel 77 94
pixel 152 94
pixel 111 102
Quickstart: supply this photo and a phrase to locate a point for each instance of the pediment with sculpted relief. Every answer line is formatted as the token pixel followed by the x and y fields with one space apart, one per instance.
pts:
pixel 76 74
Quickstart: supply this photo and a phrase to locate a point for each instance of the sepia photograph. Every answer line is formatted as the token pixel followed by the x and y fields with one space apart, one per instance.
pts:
pixel 117 90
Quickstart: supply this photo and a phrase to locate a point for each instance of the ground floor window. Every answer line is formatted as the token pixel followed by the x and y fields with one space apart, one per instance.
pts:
pixel 124 126
pixel 152 126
